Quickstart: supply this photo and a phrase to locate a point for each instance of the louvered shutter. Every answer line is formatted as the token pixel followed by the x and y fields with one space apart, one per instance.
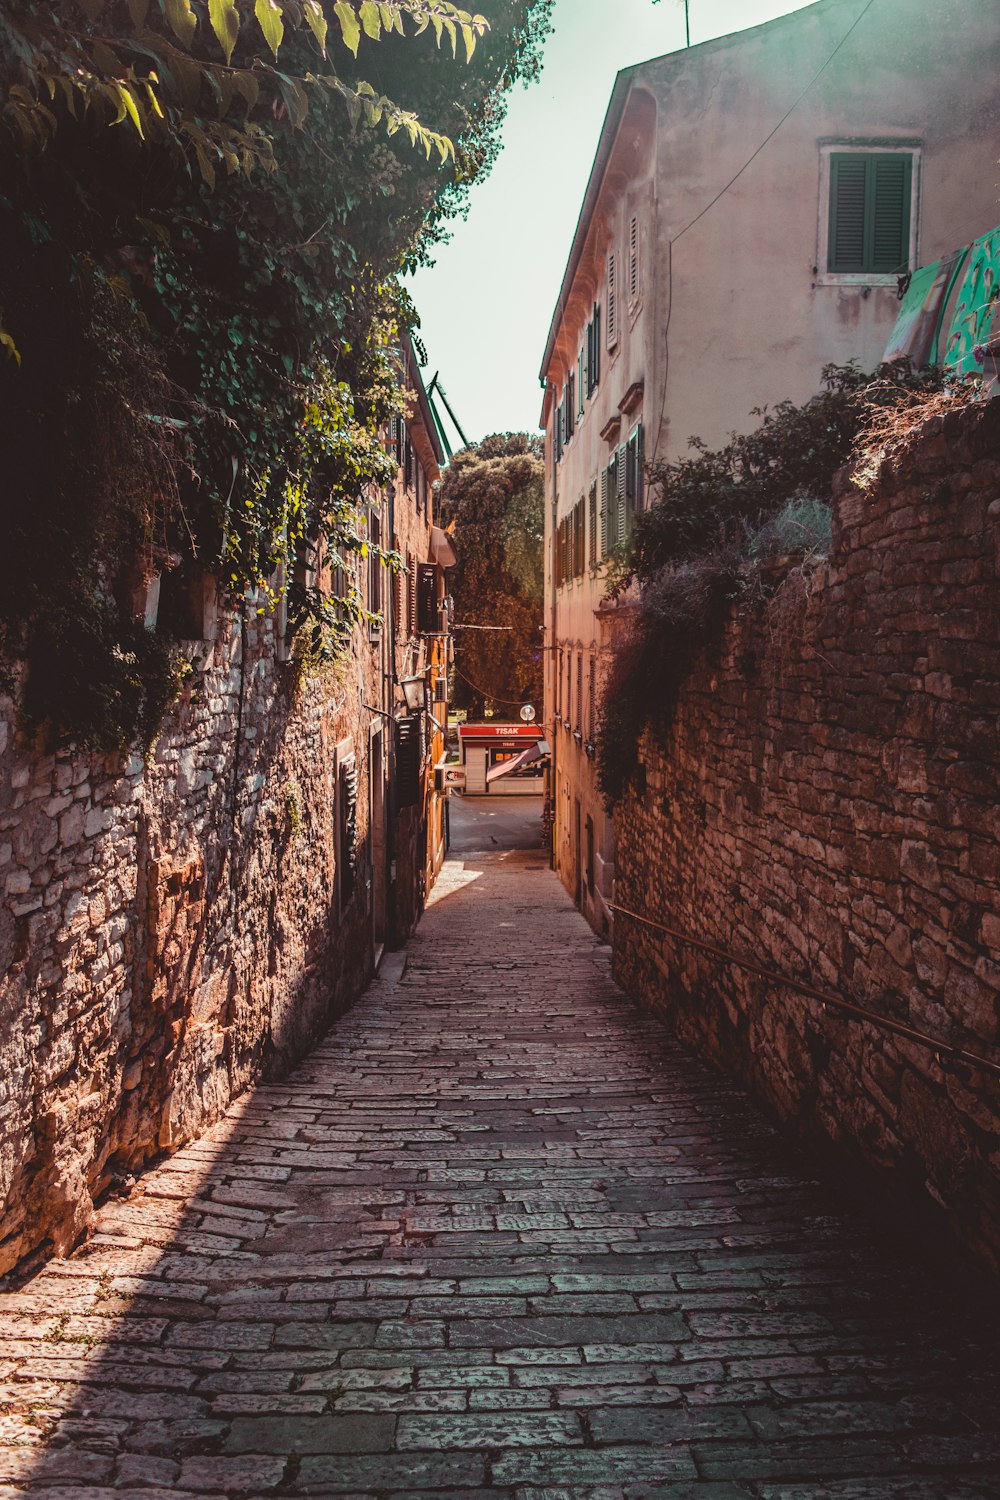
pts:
pixel 890 212
pixel 621 529
pixel 411 593
pixel 581 389
pixel 592 553
pixel 605 513
pixel 428 619
pixel 408 761
pixel 612 300
pixel 640 466
pixel 848 179
pixel 348 819
pixel 595 374
pixel 633 261
pixel 869 212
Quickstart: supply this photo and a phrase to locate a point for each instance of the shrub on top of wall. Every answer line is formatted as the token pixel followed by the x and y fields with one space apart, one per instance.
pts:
pixel 723 525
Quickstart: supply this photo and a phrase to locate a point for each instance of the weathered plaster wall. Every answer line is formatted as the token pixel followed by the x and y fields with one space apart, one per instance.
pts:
pixel 826 803
pixel 169 929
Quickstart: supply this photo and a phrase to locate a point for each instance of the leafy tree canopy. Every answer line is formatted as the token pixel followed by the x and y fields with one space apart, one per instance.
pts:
pixel 203 209
pixel 492 498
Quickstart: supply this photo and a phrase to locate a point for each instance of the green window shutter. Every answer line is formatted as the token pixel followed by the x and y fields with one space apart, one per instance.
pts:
pixel 605 512
pixel 592 536
pixel 891 178
pixel 621 471
pixel 848 178
pixel 869 212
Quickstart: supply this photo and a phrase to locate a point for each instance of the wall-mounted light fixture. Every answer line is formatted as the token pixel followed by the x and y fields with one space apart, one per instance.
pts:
pixel 415 693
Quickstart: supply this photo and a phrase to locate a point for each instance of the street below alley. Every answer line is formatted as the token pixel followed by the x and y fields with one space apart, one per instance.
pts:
pixel 497 1236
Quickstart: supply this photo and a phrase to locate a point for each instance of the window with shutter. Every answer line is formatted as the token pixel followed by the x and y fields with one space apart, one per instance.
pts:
pixel 578 721
pixel 570 406
pixel 592 699
pixel 581 390
pixel 592 550
pixel 411 592
pixel 595 373
pixel 633 262
pixel 612 300
pixel 869 224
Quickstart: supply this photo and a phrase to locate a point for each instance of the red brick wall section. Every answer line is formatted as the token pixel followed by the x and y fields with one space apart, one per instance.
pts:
pixel 826 802
pixel 169 927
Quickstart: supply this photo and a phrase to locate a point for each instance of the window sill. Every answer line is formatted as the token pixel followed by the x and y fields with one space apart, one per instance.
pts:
pixel 856 279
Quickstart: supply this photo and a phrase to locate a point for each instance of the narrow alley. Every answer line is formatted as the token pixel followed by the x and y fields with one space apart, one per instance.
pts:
pixel 498 1237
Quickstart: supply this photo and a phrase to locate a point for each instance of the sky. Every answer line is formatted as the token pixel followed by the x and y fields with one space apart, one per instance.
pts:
pixel 486 304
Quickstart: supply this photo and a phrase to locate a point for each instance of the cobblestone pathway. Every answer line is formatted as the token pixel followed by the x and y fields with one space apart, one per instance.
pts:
pixel 496 1238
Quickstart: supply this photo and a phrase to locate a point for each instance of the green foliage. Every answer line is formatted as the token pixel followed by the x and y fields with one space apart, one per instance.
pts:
pixel 719 523
pixel 197 363
pixel 491 497
pixel 708 499
pixel 155 67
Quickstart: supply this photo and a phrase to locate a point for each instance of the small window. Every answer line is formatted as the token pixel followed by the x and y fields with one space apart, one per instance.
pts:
pixel 869 224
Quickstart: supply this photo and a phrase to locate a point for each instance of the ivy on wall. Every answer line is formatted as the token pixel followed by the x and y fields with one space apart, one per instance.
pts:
pixel 199 238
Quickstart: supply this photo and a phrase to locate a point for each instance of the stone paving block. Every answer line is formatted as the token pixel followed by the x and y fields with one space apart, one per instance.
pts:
pixel 417 1472
pixel 253 1473
pixel 298 1434
pixel 557 1466
pixel 484 1430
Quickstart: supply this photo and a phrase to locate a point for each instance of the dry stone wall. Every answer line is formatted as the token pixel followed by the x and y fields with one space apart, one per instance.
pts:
pixel 170 928
pixel 827 803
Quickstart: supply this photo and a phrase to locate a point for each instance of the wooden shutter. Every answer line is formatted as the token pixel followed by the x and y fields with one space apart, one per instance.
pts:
pixel 633 261
pixel 612 299
pixel 592 699
pixel 605 512
pixel 411 595
pixel 621 461
pixel 890 213
pixel 408 761
pixel 581 389
pixel 848 178
pixel 592 551
pixel 596 371
pixel 579 690
pixel 869 212
pixel 428 619
pixel 348 827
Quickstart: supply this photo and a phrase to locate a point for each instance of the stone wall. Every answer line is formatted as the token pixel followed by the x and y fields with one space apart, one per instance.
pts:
pixel 171 928
pixel 826 803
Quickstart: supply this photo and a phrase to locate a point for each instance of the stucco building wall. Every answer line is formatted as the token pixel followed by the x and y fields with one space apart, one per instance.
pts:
pixel 734 308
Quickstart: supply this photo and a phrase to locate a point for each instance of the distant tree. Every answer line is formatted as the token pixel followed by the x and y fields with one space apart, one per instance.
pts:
pixel 492 499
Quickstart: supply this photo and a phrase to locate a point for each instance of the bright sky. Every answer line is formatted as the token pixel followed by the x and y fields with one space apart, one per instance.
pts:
pixel 486 305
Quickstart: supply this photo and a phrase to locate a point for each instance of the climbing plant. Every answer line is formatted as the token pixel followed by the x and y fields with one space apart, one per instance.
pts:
pixel 198 302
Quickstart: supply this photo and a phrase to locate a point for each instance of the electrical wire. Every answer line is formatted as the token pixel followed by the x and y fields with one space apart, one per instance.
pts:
pixel 723 191
pixel 488 697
